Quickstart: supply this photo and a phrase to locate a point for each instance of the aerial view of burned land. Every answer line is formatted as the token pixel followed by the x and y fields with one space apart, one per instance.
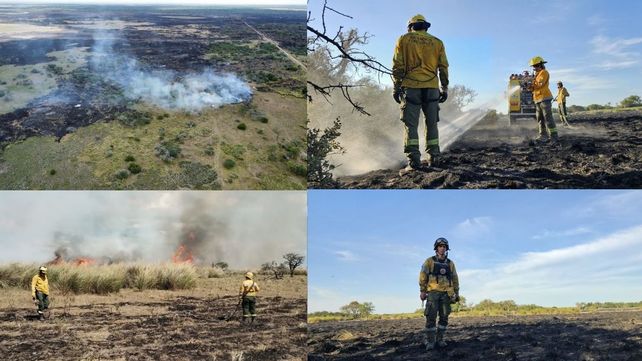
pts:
pixel 101 311
pixel 600 149
pixel 152 97
pixel 582 336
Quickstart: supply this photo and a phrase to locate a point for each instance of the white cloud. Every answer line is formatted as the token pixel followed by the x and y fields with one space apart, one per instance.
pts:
pixel 472 227
pixel 562 233
pixel 597 270
pixel 616 53
pixel 345 255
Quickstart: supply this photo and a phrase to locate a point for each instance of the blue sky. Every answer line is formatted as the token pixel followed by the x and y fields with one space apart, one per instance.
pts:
pixel 242 228
pixel 552 248
pixel 593 46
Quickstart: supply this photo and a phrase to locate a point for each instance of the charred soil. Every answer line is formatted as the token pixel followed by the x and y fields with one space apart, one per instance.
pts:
pixel 177 328
pixel 599 150
pixel 599 336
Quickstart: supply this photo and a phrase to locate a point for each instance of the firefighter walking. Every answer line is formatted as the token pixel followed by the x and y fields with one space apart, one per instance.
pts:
pixel 419 65
pixel 40 291
pixel 439 286
pixel 543 97
pixel 562 94
pixel 247 294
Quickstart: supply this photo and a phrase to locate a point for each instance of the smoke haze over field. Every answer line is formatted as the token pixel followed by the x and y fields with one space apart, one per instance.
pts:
pixel 240 228
pixel 164 88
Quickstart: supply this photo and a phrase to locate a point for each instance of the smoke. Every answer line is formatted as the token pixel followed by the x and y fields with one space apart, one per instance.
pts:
pixel 376 142
pixel 243 229
pixel 165 88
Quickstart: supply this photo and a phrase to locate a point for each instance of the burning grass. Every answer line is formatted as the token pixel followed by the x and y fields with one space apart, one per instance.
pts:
pixel 77 278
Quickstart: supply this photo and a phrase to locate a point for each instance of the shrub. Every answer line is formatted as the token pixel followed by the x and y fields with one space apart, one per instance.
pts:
pixel 167 150
pixel 122 174
pixel 241 126
pixel 229 164
pixel 298 169
pixel 52 172
pixel 129 158
pixel 134 168
pixel 209 151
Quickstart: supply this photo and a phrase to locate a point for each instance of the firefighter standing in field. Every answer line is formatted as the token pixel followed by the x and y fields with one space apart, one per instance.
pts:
pixel 40 290
pixel 543 97
pixel 562 93
pixel 419 65
pixel 247 293
pixel 439 286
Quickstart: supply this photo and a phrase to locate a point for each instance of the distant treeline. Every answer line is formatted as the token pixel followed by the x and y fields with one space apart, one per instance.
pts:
pixel 483 308
pixel 631 101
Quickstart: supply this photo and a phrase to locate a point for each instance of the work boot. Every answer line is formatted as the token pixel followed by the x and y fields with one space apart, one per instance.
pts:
pixel 430 340
pixel 412 166
pixel 434 160
pixel 440 338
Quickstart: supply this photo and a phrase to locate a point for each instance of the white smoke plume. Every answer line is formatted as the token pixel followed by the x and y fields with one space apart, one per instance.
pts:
pixel 244 229
pixel 165 88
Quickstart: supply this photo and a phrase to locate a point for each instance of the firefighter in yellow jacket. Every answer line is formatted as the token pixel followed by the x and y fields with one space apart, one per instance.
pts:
pixel 543 97
pixel 562 93
pixel 439 286
pixel 40 290
pixel 247 293
pixel 419 66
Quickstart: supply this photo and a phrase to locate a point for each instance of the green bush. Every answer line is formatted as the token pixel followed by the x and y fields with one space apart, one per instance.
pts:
pixel 129 158
pixel 122 174
pixel 229 164
pixel 241 126
pixel 209 151
pixel 52 172
pixel 134 168
pixel 298 169
pixel 167 150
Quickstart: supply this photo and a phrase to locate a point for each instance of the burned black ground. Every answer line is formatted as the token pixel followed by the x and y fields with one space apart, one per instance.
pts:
pixel 602 150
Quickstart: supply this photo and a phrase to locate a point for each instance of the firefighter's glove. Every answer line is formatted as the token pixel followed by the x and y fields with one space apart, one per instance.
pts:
pixel 422 296
pixel 397 94
pixel 443 95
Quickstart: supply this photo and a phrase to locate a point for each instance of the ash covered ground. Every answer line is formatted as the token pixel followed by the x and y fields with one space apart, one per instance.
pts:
pixel 599 150
pixel 200 98
pixel 584 337
pixel 158 325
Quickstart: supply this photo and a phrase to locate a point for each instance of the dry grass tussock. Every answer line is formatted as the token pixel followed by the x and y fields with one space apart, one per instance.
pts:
pixel 105 279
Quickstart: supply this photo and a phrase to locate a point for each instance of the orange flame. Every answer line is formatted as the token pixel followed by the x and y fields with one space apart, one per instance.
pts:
pixel 83 261
pixel 182 255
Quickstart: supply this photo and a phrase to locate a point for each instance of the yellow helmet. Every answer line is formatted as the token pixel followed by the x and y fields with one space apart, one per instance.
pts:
pixel 43 269
pixel 416 19
pixel 537 60
pixel 249 275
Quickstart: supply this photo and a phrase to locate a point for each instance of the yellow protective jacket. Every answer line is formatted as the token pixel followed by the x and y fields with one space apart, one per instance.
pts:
pixel 249 288
pixel 417 59
pixel 429 281
pixel 541 91
pixel 39 284
pixel 562 93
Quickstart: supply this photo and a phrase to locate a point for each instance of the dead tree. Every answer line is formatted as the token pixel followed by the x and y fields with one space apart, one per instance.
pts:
pixel 293 261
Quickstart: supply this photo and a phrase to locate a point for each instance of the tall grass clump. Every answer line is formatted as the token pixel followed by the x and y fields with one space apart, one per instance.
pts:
pixel 17 275
pixel 104 279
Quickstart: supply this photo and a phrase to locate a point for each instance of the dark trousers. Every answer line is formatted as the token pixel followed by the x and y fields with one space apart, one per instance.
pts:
pixel 249 306
pixel 43 301
pixel 437 303
pixel 413 104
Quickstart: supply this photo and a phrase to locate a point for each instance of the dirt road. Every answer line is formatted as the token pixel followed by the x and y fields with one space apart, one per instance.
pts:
pixel 179 328
pixel 266 38
pixel 583 337
pixel 601 150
